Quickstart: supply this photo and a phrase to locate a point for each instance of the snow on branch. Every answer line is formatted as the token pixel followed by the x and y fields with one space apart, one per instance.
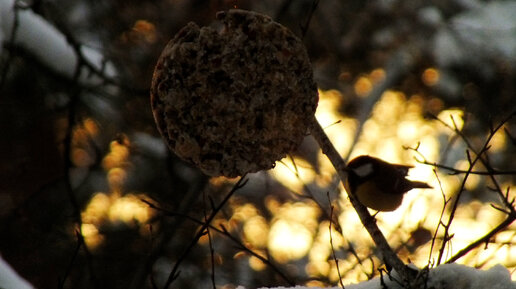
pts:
pixel 20 26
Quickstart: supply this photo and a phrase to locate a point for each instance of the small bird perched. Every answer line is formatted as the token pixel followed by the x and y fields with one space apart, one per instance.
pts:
pixel 379 185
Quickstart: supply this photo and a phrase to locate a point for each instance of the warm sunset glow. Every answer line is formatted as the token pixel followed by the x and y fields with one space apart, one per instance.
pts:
pixel 396 122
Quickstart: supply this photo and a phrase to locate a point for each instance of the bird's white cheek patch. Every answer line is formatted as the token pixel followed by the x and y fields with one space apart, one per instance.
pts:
pixel 364 170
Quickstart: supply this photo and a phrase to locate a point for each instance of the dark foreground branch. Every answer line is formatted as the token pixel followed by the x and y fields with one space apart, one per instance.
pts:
pixel 387 254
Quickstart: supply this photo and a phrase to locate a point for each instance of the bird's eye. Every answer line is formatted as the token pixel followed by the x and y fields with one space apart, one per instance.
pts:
pixel 363 170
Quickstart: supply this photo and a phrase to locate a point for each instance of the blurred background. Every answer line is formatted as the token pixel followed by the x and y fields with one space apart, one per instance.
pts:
pixel 90 197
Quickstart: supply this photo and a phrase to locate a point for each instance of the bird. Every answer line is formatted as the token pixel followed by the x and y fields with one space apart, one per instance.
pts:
pixel 379 185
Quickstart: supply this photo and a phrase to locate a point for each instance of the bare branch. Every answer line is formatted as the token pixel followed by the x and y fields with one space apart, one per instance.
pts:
pixel 484 239
pixel 331 244
pixel 212 251
pixel 174 273
pixel 224 232
pixel 386 252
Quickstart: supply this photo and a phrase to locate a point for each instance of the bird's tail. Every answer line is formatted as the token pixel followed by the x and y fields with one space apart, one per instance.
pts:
pixel 420 185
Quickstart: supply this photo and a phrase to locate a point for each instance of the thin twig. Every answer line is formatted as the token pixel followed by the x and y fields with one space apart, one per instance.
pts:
pixel 484 239
pixel 80 242
pixel 304 28
pixel 152 279
pixel 386 252
pixel 169 229
pixel 455 205
pixel 260 257
pixel 454 171
pixel 490 172
pixel 331 244
pixel 68 165
pixel 311 195
pixel 212 251
pixel 224 232
pixel 174 273
pixel 485 162
pixel 445 204
pixel 401 62
pixel 6 66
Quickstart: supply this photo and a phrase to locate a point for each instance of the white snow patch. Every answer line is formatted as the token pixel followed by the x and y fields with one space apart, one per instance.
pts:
pixel 442 277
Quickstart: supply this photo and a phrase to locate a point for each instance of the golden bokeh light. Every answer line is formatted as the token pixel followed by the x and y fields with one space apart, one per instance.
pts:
pixel 452 118
pixel 91 126
pixel 321 250
pixel 97 209
pixel 142 31
pixel 117 157
pixel 243 212
pixel 145 28
pixel 350 270
pixel 293 173
pixel 430 76
pixel 293 230
pixel 473 180
pixel 91 235
pixel 289 240
pixel 352 228
pixel 80 136
pixel 83 136
pixel 363 86
pixel 104 209
pixel 116 178
pixel 114 208
pixel 129 209
pixel 328 106
pixel 390 107
pixel 397 122
pixel 272 204
pixel 339 128
pixel 256 264
pixel 377 75
pixel 291 233
pixel 303 213
pixel 81 158
pixel 315 283
pixel 256 230
pixel 498 141
pixel 316 268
